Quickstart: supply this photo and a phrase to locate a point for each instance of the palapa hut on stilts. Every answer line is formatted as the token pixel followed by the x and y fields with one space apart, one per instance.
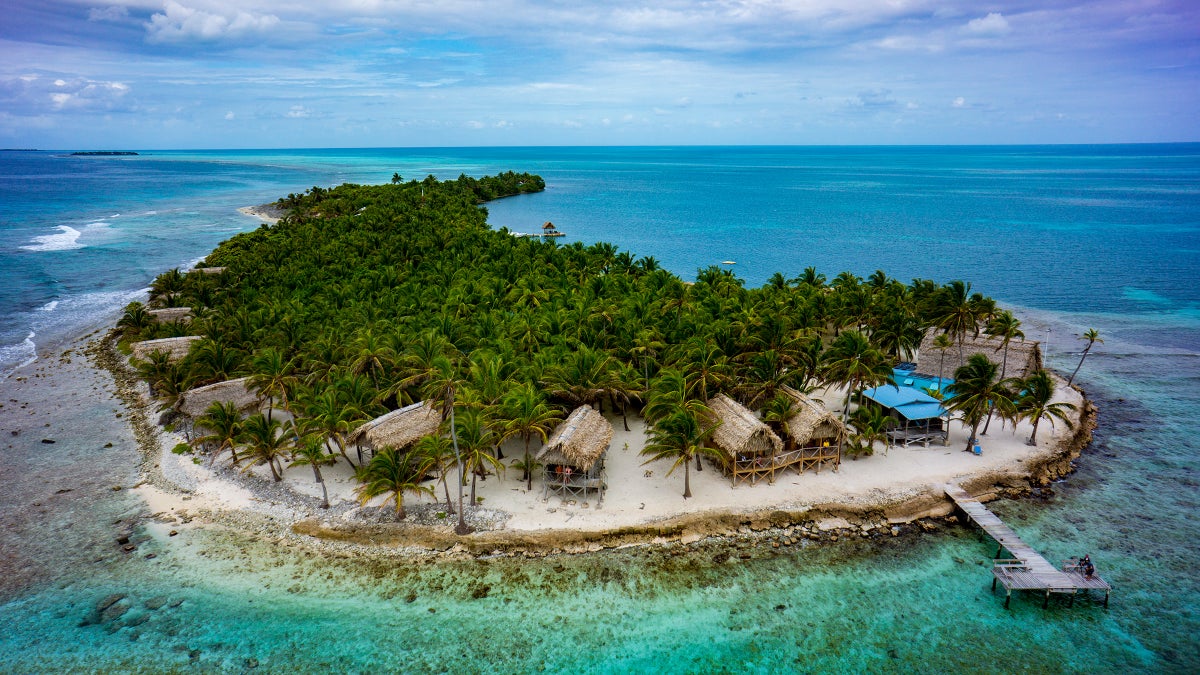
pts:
pixel 170 314
pixel 194 402
pixel 815 435
pixel 175 348
pixel 398 429
pixel 748 444
pixel 573 457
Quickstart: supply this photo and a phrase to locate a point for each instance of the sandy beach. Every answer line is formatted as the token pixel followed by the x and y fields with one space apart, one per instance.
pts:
pixel 266 213
pixel 866 496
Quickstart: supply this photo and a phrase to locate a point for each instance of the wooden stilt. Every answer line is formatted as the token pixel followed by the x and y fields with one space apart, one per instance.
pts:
pixel 993 584
pixel 1007 597
pixel 1046 600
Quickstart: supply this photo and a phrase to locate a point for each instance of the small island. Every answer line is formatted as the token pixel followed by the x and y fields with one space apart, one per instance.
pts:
pixel 375 365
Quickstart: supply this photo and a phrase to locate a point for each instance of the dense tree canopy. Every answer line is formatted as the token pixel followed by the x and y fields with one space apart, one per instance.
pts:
pixel 363 296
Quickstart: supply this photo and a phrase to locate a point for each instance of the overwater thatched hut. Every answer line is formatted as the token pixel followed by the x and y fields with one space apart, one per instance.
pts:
pixel 815 435
pixel 573 457
pixel 1024 357
pixel 175 348
pixel 194 402
pixel 399 428
pixel 170 314
pixel 748 445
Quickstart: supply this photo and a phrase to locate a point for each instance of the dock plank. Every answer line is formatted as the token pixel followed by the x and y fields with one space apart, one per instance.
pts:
pixel 1032 571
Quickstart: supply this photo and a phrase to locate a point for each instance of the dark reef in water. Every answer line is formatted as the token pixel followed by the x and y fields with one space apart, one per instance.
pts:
pixel 101 153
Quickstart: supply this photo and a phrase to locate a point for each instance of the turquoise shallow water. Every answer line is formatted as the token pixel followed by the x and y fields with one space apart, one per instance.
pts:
pixel 1125 220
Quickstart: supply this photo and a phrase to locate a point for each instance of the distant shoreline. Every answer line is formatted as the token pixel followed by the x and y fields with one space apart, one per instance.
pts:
pixel 268 213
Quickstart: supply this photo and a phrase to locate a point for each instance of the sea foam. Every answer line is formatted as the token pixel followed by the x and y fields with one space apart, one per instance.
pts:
pixel 66 239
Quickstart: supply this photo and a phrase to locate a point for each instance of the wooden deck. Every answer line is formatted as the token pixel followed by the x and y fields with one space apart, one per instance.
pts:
pixel 753 469
pixel 1027 570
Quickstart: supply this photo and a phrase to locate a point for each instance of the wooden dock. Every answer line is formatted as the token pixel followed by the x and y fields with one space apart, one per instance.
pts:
pixel 1026 570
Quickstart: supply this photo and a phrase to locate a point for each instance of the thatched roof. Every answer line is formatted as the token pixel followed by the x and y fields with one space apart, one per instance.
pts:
pixel 208 270
pixel 170 314
pixel 812 421
pixel 741 432
pixel 548 226
pixel 579 440
pixel 176 348
pixel 399 428
pixel 194 402
pixel 1024 357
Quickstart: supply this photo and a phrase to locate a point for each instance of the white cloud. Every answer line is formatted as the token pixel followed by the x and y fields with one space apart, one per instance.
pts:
pixel 474 124
pixel 992 24
pixel 958 102
pixel 114 13
pixel 177 23
pixel 299 111
pixel 229 115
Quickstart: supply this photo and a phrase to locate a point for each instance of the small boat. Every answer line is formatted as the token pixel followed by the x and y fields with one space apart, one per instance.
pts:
pixel 728 262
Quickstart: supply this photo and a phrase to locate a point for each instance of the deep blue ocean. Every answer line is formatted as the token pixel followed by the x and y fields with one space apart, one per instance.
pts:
pixel 1072 237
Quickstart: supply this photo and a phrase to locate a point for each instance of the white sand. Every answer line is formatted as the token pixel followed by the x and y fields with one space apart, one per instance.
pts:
pixel 642 493
pixel 259 213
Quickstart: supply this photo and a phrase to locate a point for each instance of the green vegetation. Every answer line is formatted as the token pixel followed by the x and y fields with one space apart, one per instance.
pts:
pixel 367 298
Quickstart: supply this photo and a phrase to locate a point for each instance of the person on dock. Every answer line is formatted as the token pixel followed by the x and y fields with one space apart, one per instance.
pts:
pixel 1087 567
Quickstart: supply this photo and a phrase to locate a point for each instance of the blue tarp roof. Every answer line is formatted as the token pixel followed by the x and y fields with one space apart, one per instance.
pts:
pixel 913 404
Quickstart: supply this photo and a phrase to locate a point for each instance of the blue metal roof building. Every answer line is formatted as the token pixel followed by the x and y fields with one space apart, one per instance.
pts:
pixel 920 417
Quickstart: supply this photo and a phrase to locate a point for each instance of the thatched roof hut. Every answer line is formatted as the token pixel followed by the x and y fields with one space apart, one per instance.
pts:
pixel 399 428
pixel 741 432
pixel 175 348
pixel 579 440
pixel 194 402
pixel 548 226
pixel 812 423
pixel 208 270
pixel 170 314
pixel 1024 357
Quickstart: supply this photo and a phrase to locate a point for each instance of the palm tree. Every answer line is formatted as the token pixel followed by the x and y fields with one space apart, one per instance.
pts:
pixel 583 378
pixel 266 442
pixel 439 452
pixel 475 440
pixel 681 436
pixel 371 355
pixel 871 424
pixel 272 377
pixel 335 419
pixel 954 312
pixel 853 362
pixel 1008 328
pixel 942 342
pixel 224 424
pixel 392 472
pixel 976 389
pixel 526 414
pixel 1034 403
pixel 312 452
pixel 1092 336
pixel 441 382
pixel 776 412
pixel 135 318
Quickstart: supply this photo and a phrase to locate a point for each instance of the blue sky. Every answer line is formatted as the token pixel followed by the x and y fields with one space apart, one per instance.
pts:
pixel 148 74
